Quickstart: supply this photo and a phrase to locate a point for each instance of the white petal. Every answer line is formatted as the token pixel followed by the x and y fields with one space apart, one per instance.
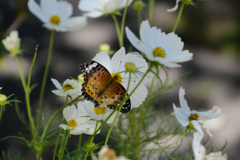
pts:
pixel 65 10
pixel 196 143
pixel 197 126
pixel 146 35
pixel 36 10
pixel 182 118
pixel 180 57
pixel 74 23
pixel 135 41
pixel 138 96
pixel 104 59
pixel 64 126
pixel 49 7
pixel 56 83
pixel 70 112
pixel 183 101
pixel 59 92
pixel 92 125
pixel 175 7
pixel 0 88
pixel 207 130
pixel 117 60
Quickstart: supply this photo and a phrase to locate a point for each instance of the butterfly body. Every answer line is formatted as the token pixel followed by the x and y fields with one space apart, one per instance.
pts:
pixel 100 86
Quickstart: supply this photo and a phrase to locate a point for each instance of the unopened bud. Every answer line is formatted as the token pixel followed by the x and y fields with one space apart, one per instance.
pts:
pixel 104 47
pixel 3 99
pixel 138 5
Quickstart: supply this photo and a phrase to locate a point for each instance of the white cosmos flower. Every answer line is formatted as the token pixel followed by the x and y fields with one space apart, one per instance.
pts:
pixel 97 8
pixel 56 15
pixel 194 119
pixel 70 87
pixel 97 113
pixel 116 65
pixel 159 46
pixel 199 150
pixel 12 42
pixel 77 120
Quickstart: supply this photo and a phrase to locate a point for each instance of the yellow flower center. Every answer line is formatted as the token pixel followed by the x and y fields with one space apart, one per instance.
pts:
pixel 67 87
pixel 100 110
pixel 118 77
pixel 193 116
pixel 72 123
pixel 3 99
pixel 105 7
pixel 158 52
pixel 55 19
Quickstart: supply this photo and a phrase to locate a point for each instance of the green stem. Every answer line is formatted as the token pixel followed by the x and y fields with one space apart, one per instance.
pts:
pixel 79 142
pixel 45 75
pixel 110 130
pixel 65 143
pixel 166 147
pixel 56 145
pixel 92 138
pixel 150 10
pixel 21 73
pixel 27 98
pixel 179 17
pixel 139 17
pixel 1 110
pixel 123 23
pixel 118 30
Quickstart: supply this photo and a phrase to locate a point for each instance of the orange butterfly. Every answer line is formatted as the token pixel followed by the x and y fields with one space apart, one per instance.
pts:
pixel 100 86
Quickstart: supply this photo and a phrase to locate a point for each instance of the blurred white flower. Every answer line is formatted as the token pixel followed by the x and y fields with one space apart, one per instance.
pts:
pixel 107 153
pixel 193 119
pixel 70 87
pixel 77 120
pixel 199 150
pixel 0 88
pixel 175 7
pixel 12 43
pixel 158 46
pixel 97 113
pixel 97 8
pixel 56 15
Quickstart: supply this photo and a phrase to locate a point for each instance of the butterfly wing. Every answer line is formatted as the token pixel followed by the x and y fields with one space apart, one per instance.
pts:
pixel 99 87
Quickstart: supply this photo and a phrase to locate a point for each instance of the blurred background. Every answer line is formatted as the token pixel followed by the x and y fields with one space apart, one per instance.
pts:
pixel 210 31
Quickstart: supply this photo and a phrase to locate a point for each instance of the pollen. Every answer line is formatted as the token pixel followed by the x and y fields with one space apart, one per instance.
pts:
pixel 105 8
pixel 193 116
pixel 118 77
pixel 158 52
pixel 67 87
pixel 55 19
pixel 100 110
pixel 72 123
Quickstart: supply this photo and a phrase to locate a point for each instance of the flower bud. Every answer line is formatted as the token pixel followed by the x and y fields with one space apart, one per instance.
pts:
pixel 138 5
pixel 3 99
pixel 104 47
pixel 91 146
pixel 130 67
pixel 12 43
